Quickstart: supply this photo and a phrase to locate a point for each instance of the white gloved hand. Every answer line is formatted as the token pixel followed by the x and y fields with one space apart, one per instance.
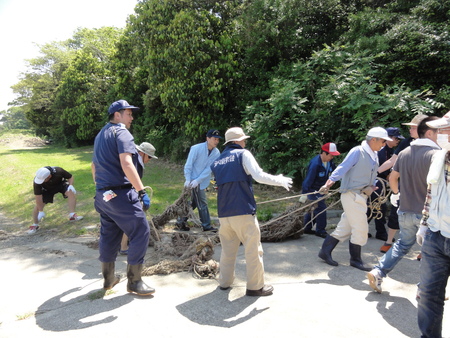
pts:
pixel 186 184
pixel 71 188
pixel 286 182
pixel 303 198
pixel 394 199
pixel 194 184
pixel 323 190
pixel 420 235
pixel 41 215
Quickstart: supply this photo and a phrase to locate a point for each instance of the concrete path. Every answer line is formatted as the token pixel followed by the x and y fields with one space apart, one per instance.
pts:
pixel 52 287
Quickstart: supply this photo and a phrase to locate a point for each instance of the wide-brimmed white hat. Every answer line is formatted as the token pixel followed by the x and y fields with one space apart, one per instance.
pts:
pixel 235 134
pixel 416 120
pixel 379 132
pixel 147 148
pixel 443 122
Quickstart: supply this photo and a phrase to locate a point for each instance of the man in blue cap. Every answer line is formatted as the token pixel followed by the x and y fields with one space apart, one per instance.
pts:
pixel 384 155
pixel 120 198
pixel 197 172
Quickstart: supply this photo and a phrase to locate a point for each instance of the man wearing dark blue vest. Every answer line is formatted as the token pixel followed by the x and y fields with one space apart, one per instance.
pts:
pixel 234 170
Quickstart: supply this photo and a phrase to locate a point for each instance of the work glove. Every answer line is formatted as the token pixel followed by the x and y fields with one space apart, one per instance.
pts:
pixel 286 182
pixel 303 198
pixel 41 215
pixel 71 188
pixel 145 200
pixel 186 184
pixel 323 190
pixel 394 199
pixel 194 184
pixel 420 235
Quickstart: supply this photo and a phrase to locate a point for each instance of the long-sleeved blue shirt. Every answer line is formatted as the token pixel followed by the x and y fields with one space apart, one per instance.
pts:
pixel 198 164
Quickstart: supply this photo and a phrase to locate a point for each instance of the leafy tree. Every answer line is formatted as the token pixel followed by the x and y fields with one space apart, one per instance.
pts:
pixel 82 93
pixel 334 96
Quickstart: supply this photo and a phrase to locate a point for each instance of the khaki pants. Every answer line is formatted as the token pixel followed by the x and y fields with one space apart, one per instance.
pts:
pixel 353 223
pixel 233 231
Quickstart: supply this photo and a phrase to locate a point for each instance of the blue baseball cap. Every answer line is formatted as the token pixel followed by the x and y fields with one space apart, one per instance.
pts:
pixel 213 133
pixel 119 105
pixel 394 131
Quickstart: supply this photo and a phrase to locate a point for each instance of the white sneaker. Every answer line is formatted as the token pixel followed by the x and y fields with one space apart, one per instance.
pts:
pixel 375 280
pixel 75 217
pixel 33 229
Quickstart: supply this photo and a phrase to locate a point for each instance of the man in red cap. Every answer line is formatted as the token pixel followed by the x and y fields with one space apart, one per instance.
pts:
pixel 319 169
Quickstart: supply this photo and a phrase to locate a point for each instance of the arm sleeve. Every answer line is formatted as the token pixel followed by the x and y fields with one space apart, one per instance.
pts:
pixel 350 160
pixel 309 179
pixel 189 163
pixel 252 168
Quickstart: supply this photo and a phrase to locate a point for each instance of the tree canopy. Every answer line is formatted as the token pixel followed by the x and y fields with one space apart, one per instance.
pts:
pixel 294 73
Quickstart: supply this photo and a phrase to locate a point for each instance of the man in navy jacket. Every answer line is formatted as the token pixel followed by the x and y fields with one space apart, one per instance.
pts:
pixel 319 169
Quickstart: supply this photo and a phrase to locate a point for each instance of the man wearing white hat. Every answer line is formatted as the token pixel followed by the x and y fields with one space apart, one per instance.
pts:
pixel 234 170
pixel 47 183
pixel 434 237
pixel 146 152
pixel 412 166
pixel 358 173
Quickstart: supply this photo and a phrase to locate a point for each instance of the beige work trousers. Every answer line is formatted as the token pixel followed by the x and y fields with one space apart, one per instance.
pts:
pixel 232 232
pixel 353 223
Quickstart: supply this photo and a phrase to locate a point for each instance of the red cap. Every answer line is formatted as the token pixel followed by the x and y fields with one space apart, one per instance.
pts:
pixel 330 148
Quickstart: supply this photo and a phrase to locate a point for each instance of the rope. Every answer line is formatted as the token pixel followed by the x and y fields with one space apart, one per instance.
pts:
pixel 331 193
pixel 375 205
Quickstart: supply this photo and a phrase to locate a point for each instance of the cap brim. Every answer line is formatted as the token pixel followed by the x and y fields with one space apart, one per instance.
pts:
pixel 334 153
pixel 387 138
pixel 410 124
pixel 38 180
pixel 441 123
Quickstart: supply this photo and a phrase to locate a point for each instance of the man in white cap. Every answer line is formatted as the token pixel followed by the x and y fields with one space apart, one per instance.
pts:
pixel 234 170
pixel 412 166
pixel 146 152
pixel 434 237
pixel 319 169
pixel 47 183
pixel 358 173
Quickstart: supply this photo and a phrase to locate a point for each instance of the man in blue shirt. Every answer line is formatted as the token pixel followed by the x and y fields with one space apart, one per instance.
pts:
pixel 120 199
pixel 319 169
pixel 197 172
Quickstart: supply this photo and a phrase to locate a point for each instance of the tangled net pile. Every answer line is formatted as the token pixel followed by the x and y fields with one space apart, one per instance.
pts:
pixel 197 258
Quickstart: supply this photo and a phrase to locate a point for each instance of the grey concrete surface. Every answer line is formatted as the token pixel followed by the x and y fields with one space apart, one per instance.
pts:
pixel 52 287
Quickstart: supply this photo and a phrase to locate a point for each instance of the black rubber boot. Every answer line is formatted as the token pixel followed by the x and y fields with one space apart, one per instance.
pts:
pixel 135 283
pixel 355 257
pixel 327 247
pixel 108 274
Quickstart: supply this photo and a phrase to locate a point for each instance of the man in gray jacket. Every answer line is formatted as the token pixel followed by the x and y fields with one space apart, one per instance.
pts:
pixel 358 173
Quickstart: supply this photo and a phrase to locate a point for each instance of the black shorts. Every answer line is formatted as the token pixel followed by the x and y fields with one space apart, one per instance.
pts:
pixel 47 195
pixel 393 219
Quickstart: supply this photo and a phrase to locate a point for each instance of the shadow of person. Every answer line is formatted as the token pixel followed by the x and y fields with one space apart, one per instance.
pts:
pixel 223 312
pixel 344 276
pixel 390 307
pixel 71 310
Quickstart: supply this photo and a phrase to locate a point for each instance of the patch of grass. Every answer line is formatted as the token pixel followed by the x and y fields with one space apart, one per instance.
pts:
pixel 25 316
pixel 19 165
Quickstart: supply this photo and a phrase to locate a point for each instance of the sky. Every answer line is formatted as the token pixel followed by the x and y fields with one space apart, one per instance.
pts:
pixel 25 23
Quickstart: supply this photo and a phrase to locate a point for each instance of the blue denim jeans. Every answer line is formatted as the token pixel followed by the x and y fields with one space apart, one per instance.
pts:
pixel 409 224
pixel 434 274
pixel 321 220
pixel 199 201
